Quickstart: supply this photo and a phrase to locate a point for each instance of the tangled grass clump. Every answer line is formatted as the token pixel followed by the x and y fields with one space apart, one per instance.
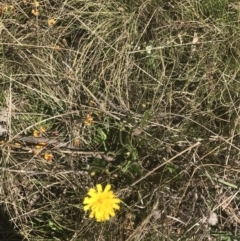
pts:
pixel 142 95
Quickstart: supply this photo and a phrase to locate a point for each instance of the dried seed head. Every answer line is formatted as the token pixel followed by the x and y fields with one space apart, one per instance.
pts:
pixel 213 219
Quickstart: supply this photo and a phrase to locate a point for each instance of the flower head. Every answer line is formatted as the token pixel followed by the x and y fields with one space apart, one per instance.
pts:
pixel 89 120
pixel 35 12
pixel 51 22
pixel 48 156
pixel 38 133
pixel 213 219
pixel 101 203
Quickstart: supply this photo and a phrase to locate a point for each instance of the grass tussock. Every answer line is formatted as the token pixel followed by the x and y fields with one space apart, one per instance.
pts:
pixel 140 94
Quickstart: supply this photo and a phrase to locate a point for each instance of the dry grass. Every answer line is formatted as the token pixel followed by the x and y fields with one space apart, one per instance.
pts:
pixel 143 94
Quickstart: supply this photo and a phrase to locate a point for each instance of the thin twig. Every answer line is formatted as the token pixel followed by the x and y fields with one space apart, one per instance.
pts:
pixel 166 162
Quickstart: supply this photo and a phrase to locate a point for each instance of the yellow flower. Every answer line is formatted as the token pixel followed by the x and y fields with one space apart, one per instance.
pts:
pixel 51 22
pixel 7 9
pixel 101 203
pixel 35 12
pixel 48 156
pixel 89 120
pixel 38 133
pixel 36 3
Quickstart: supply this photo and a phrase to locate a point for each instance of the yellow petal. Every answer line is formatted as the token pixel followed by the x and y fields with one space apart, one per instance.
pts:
pixel 107 188
pixel 86 208
pixel 42 129
pixel 115 206
pixel 91 215
pixel 116 200
pixel 87 200
pixel 92 192
pixel 112 213
pixel 99 187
